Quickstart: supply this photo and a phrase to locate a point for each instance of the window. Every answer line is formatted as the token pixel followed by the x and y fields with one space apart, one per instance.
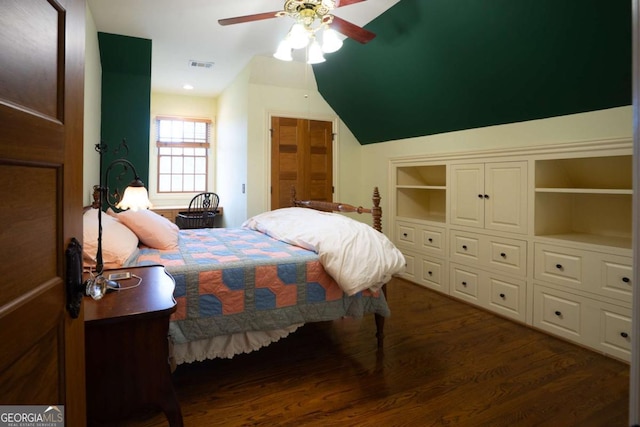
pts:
pixel 183 147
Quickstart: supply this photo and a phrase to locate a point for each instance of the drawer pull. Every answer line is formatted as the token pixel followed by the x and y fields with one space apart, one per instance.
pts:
pixel 559 266
pixel 430 273
pixel 624 334
pixel 502 296
pixel 626 280
pixel 464 283
pixel 430 240
pixel 503 255
pixel 404 234
pixel 558 313
pixel 464 247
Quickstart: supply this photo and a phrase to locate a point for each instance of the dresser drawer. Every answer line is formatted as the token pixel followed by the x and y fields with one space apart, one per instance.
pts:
pixel 464 284
pixel 433 240
pixel 507 255
pixel 405 235
pixel 617 275
pixel 432 273
pixel 588 271
pixel 562 266
pixel 557 313
pixel 508 297
pixel 616 332
pixel 465 247
pixel 409 272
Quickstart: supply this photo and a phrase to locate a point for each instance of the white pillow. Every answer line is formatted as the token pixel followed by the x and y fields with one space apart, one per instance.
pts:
pixel 118 242
pixel 152 229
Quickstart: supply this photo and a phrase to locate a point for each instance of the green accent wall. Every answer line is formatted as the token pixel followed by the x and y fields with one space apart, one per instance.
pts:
pixel 444 65
pixel 126 101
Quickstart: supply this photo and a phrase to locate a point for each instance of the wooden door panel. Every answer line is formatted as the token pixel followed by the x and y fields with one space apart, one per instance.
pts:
pixel 302 157
pixel 29 221
pixel 41 117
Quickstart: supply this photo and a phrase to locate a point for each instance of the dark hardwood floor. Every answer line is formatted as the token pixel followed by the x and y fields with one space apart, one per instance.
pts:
pixel 444 363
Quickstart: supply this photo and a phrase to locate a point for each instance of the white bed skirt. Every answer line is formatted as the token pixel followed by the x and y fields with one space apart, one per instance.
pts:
pixel 226 346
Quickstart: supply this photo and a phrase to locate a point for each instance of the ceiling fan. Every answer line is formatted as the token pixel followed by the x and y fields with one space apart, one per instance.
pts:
pixel 312 13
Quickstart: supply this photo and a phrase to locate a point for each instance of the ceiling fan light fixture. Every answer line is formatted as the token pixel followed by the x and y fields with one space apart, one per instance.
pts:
pixel 330 41
pixel 315 53
pixel 298 36
pixel 284 51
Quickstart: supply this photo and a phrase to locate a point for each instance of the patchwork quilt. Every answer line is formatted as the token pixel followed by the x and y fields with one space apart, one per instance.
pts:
pixel 231 280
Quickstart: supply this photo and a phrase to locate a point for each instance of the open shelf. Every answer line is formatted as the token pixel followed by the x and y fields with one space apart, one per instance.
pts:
pixel 421 203
pixel 585 217
pixel 607 173
pixel 422 176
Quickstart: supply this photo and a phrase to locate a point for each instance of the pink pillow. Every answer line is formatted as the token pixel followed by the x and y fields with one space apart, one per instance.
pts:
pixel 118 242
pixel 152 229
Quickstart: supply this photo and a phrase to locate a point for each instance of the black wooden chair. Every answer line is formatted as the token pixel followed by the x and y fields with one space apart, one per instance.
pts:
pixel 202 211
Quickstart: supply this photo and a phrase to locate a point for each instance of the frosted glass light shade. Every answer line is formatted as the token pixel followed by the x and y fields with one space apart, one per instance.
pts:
pixel 134 198
pixel 284 51
pixel 330 41
pixel 315 53
pixel 298 36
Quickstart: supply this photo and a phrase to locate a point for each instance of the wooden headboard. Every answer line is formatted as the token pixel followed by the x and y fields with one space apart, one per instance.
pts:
pixel 375 211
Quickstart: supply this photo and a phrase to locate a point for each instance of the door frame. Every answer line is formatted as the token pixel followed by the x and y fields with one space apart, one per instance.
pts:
pixel 267 147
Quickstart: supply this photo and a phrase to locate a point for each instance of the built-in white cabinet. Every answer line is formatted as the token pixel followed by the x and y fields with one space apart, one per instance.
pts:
pixel 538 235
pixel 490 195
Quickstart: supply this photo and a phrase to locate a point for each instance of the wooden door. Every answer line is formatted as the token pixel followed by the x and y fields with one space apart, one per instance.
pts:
pixel 302 157
pixel 41 119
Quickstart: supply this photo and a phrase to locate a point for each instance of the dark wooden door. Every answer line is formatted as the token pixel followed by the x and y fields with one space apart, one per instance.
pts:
pixel 302 157
pixel 41 120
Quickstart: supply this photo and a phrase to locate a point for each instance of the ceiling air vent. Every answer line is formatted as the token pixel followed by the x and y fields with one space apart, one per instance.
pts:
pixel 200 64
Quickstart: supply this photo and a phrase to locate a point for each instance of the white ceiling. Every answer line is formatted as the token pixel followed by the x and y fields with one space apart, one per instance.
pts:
pixel 184 30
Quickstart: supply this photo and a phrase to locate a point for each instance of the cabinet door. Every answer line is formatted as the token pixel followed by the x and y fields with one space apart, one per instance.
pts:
pixel 505 196
pixel 467 196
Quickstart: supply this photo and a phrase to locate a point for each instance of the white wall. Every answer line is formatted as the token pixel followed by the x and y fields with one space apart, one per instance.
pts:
pixel 231 157
pixel 268 87
pixel 183 106
pixel 92 110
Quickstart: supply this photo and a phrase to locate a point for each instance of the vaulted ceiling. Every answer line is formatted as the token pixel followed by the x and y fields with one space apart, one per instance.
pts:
pixel 435 65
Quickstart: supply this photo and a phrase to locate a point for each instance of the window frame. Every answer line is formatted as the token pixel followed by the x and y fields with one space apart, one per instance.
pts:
pixel 206 145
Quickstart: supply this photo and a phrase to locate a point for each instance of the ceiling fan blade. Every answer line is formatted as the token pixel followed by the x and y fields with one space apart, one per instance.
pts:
pixel 342 3
pixel 350 30
pixel 248 18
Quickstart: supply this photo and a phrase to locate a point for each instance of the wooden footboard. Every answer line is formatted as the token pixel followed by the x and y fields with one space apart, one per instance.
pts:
pixel 376 213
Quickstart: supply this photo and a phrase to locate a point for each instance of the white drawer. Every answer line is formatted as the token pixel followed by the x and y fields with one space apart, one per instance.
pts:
pixel 465 284
pixel 432 273
pixel 559 314
pixel 617 275
pixel 465 248
pixel 405 235
pixel 508 297
pixel 588 271
pixel 433 240
pixel 410 266
pixel 559 265
pixel 616 332
pixel 508 255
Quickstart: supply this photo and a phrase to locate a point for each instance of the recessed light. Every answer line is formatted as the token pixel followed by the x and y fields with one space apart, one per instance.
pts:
pixel 187 87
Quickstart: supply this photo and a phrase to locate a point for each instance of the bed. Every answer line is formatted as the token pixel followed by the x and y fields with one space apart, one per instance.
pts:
pixel 240 289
